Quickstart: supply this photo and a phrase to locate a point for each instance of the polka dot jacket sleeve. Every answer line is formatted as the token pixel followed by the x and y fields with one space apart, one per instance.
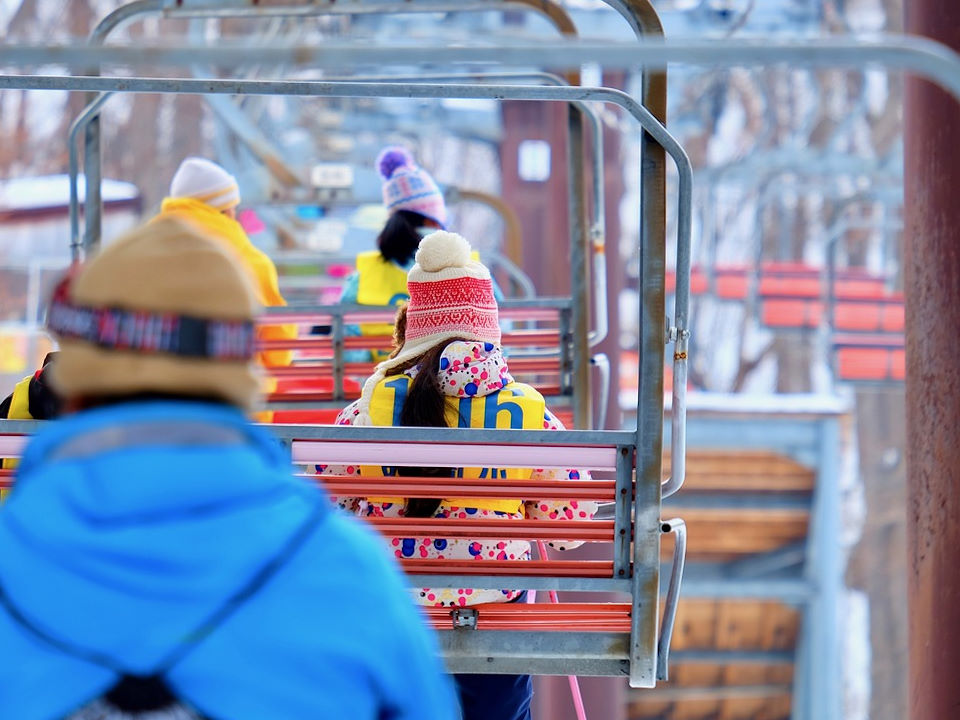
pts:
pixel 350 504
pixel 559 509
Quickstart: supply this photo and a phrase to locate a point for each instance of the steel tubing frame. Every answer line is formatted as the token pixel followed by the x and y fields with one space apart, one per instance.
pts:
pixel 555 13
pixel 645 581
pixel 643 20
pixel 651 269
pixel 919 56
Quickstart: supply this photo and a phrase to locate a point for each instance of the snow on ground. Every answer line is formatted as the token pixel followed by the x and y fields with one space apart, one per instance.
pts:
pixel 855 614
pixel 49 191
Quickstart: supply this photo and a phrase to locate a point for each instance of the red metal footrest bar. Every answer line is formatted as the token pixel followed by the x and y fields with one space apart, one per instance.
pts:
pixel 407 487
pixel 495 529
pixel 519 338
pixel 561 617
pixel 509 568
pixel 307 317
pixel 307 396
pixel 323 367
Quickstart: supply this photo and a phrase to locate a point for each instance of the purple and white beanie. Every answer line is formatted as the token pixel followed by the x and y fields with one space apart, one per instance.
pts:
pixel 407 186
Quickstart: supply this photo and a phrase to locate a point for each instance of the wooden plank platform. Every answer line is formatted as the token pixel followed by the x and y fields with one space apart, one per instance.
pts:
pixel 732 690
pixel 754 471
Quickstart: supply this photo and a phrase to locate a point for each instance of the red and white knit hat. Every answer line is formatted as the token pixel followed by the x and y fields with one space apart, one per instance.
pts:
pixel 451 297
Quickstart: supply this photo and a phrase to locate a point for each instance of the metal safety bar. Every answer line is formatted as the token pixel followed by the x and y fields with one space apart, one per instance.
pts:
pixel 598 222
pixel 91 111
pixel 832 243
pixel 678 528
pixel 921 56
pixel 642 19
pixel 139 9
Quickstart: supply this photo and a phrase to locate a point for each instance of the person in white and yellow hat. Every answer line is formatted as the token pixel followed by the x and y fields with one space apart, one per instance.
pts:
pixel 206 195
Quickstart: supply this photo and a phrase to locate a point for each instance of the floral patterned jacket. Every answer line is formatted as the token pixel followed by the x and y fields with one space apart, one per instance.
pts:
pixel 459 379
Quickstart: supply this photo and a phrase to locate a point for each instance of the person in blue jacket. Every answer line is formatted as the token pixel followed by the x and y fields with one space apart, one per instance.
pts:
pixel 158 559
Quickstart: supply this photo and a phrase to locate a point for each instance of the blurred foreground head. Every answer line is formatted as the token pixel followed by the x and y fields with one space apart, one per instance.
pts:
pixel 164 310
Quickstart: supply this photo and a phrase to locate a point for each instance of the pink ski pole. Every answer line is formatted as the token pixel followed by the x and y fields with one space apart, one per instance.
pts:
pixel 572 679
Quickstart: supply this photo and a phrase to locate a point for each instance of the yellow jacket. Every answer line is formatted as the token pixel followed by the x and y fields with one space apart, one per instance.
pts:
pixel 19 410
pixel 380 282
pixel 261 268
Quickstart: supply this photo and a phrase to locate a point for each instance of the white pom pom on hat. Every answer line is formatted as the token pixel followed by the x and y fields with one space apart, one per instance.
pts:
pixel 441 250
pixel 444 255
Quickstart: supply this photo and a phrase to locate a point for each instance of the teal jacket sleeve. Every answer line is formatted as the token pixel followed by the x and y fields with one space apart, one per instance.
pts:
pixel 348 295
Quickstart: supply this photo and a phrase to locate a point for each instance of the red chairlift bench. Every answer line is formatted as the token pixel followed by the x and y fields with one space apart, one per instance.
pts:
pixel 789 279
pixel 870 358
pixel 880 314
pixel 322 381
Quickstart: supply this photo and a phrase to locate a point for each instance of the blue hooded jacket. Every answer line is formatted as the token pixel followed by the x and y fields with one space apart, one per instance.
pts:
pixel 130 529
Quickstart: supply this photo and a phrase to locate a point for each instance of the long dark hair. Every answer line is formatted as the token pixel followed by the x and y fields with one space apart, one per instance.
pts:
pixel 399 238
pixel 424 406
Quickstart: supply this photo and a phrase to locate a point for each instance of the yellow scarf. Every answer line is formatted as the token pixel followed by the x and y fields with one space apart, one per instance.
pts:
pixel 259 266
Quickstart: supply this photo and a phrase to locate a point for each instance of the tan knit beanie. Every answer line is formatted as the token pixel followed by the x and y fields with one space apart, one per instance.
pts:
pixel 164 309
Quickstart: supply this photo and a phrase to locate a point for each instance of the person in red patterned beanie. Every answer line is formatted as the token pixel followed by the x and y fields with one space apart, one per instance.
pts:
pixel 448 370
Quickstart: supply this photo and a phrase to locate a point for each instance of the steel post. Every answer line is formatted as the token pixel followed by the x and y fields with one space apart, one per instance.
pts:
pixel 92 158
pixel 932 287
pixel 90 113
pixel 579 271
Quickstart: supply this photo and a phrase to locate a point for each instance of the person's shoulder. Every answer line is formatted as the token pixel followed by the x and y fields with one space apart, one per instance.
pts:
pixel 349 414
pixel 519 388
pixel 257 256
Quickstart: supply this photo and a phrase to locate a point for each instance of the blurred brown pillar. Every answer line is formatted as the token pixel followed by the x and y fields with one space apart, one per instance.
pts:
pixel 932 280
pixel 540 205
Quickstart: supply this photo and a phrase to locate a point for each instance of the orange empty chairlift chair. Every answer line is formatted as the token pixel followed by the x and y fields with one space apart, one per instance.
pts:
pixel 864 320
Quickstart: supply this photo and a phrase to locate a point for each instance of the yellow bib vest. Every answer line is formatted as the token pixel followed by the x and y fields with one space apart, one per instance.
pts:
pixel 516 407
pixel 382 283
pixel 19 410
